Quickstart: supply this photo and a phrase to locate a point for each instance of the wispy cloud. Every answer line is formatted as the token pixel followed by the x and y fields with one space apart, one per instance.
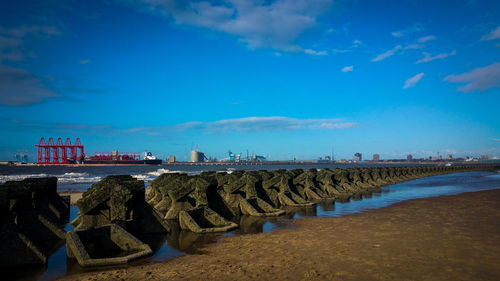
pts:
pixel 494 34
pixel 340 50
pixel 246 124
pixel 427 57
pixel 274 123
pixel 315 53
pixel 495 139
pixel 84 61
pixel 414 46
pixel 413 81
pixel 259 24
pixel 18 87
pixel 481 78
pixel 417 27
pixel 349 68
pixel 387 53
pixel 24 30
pixel 426 38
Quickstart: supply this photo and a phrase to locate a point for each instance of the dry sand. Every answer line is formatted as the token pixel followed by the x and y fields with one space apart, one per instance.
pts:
pixel 442 238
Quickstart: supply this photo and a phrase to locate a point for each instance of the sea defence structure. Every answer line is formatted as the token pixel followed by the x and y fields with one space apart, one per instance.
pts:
pixel 209 201
pixel 115 216
pixel 112 211
pixel 31 219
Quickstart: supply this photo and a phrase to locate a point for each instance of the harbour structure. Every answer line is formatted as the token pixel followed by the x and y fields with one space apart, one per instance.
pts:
pixel 197 156
pixel 376 157
pixel 237 158
pixel 50 153
pixel 409 158
pixel 357 157
pixel 57 153
pixel 171 159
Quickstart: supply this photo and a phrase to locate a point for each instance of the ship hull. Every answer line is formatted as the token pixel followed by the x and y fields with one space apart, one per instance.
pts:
pixel 123 162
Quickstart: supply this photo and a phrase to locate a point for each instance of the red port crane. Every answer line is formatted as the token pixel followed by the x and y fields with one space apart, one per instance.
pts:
pixel 59 151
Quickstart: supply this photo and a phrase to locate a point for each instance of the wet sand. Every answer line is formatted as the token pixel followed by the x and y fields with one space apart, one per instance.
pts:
pixel 75 196
pixel 442 238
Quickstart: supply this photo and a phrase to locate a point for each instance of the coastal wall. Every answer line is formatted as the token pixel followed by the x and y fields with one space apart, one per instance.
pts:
pixel 117 209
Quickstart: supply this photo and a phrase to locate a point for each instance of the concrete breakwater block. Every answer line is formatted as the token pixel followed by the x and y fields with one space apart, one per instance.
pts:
pixel 105 245
pixel 118 200
pixel 31 219
pixel 204 220
pixel 259 208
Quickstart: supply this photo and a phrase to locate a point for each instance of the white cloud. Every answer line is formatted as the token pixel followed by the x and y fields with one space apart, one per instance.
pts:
pixel 427 57
pixel 426 38
pixel 495 139
pixel 413 80
pixel 414 47
pixel 387 54
pixel 411 29
pixel 494 34
pixel 481 78
pixel 397 34
pixel 315 53
pixel 348 69
pixel 247 124
pixel 84 61
pixel 275 123
pixel 18 87
pixel 339 51
pixel 259 24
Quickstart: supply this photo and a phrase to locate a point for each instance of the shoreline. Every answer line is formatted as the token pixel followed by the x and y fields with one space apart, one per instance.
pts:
pixel 74 196
pixel 437 238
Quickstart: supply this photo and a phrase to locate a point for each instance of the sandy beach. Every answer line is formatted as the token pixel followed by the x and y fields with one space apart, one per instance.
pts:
pixel 74 196
pixel 441 238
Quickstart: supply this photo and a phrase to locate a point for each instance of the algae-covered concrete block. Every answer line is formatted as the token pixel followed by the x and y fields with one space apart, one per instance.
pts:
pixel 31 218
pixel 118 200
pixel 105 245
pixel 204 220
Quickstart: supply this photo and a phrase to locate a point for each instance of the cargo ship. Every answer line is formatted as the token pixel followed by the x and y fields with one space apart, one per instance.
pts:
pixel 115 158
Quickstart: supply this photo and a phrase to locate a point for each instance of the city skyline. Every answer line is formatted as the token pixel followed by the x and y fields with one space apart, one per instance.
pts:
pixel 280 78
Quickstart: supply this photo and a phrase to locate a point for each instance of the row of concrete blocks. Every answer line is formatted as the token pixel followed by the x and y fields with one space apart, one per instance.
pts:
pixel 114 211
pixel 207 202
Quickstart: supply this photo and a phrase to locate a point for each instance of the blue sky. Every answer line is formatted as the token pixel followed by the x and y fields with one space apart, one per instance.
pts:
pixel 289 78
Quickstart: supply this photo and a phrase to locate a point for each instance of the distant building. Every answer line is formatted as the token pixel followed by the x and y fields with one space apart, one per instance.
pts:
pixel 409 158
pixel 171 159
pixel 328 158
pixel 449 157
pixel 376 157
pixel 357 157
pixel 484 157
pixel 197 156
pixel 343 160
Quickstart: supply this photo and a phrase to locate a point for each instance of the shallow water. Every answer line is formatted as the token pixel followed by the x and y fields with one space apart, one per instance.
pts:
pixel 79 178
pixel 179 242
